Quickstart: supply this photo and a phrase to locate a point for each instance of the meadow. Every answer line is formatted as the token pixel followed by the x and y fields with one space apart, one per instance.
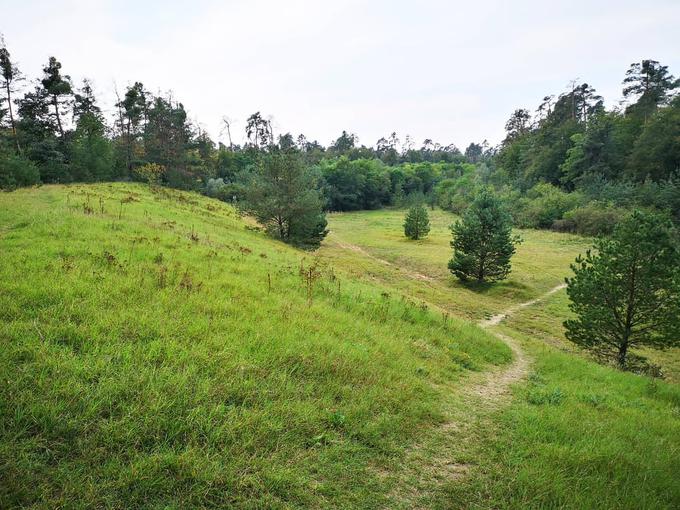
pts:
pixel 160 351
pixel 573 434
pixel 420 267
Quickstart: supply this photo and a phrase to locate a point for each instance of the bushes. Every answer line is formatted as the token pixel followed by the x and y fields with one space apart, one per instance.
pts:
pixel 17 171
pixel 592 219
pixel 543 205
pixel 150 172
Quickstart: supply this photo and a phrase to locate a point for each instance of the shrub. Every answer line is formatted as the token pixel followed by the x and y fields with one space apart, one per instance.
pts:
pixel 217 188
pixel 592 219
pixel 16 171
pixel 150 172
pixel 543 205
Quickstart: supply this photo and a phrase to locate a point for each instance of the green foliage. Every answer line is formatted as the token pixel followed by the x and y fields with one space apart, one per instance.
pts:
pixel 360 184
pixel 166 140
pixel 627 293
pixel 483 243
pixel 542 205
pixel 591 219
pixel 458 189
pixel 58 87
pixel 16 171
pixel 151 173
pixel 417 222
pixel 656 153
pixel 283 196
pixel 91 152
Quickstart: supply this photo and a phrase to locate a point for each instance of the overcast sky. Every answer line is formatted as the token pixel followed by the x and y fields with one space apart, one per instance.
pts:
pixel 447 70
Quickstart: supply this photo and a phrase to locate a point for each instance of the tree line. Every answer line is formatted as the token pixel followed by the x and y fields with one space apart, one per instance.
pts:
pixel 571 165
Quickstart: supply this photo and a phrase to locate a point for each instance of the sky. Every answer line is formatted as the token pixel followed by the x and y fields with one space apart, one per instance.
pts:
pixel 450 71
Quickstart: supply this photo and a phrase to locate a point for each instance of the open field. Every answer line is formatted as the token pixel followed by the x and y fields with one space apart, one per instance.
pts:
pixel 420 267
pixel 159 351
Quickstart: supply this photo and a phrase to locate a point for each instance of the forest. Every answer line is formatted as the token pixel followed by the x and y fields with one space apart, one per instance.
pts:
pixel 570 165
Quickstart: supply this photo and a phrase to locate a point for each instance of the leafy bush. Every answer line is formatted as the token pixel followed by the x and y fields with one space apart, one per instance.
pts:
pixel 17 171
pixel 592 219
pixel 217 188
pixel 150 172
pixel 543 205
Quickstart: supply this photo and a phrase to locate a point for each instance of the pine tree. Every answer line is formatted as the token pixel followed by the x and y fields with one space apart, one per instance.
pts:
pixel 627 294
pixel 283 196
pixel 483 242
pixel 9 74
pixel 58 87
pixel 416 223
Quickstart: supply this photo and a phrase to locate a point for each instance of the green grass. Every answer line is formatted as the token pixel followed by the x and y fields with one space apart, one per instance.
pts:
pixel 576 434
pixel 579 435
pixel 164 353
pixel 145 362
pixel 538 265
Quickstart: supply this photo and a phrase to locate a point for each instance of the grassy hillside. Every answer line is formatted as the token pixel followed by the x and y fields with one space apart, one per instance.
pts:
pixel 157 351
pixel 578 435
pixel 574 434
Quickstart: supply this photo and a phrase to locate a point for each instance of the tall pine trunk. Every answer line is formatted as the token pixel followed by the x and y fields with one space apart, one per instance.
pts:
pixel 11 118
pixel 55 101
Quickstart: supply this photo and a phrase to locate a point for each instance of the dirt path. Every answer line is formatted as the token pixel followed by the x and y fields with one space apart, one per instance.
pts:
pixel 497 382
pixel 411 274
pixel 448 455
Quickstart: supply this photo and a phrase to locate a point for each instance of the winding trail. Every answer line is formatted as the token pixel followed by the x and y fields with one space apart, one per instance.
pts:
pixel 498 382
pixel 449 455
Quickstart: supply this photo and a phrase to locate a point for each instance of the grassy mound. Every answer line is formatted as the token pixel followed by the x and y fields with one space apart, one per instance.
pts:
pixel 157 351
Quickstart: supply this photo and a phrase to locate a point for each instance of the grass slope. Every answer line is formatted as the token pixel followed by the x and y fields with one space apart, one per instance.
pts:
pixel 147 362
pixel 575 434
pixel 579 435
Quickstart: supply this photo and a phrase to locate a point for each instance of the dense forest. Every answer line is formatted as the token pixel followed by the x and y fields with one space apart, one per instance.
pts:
pixel 572 165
